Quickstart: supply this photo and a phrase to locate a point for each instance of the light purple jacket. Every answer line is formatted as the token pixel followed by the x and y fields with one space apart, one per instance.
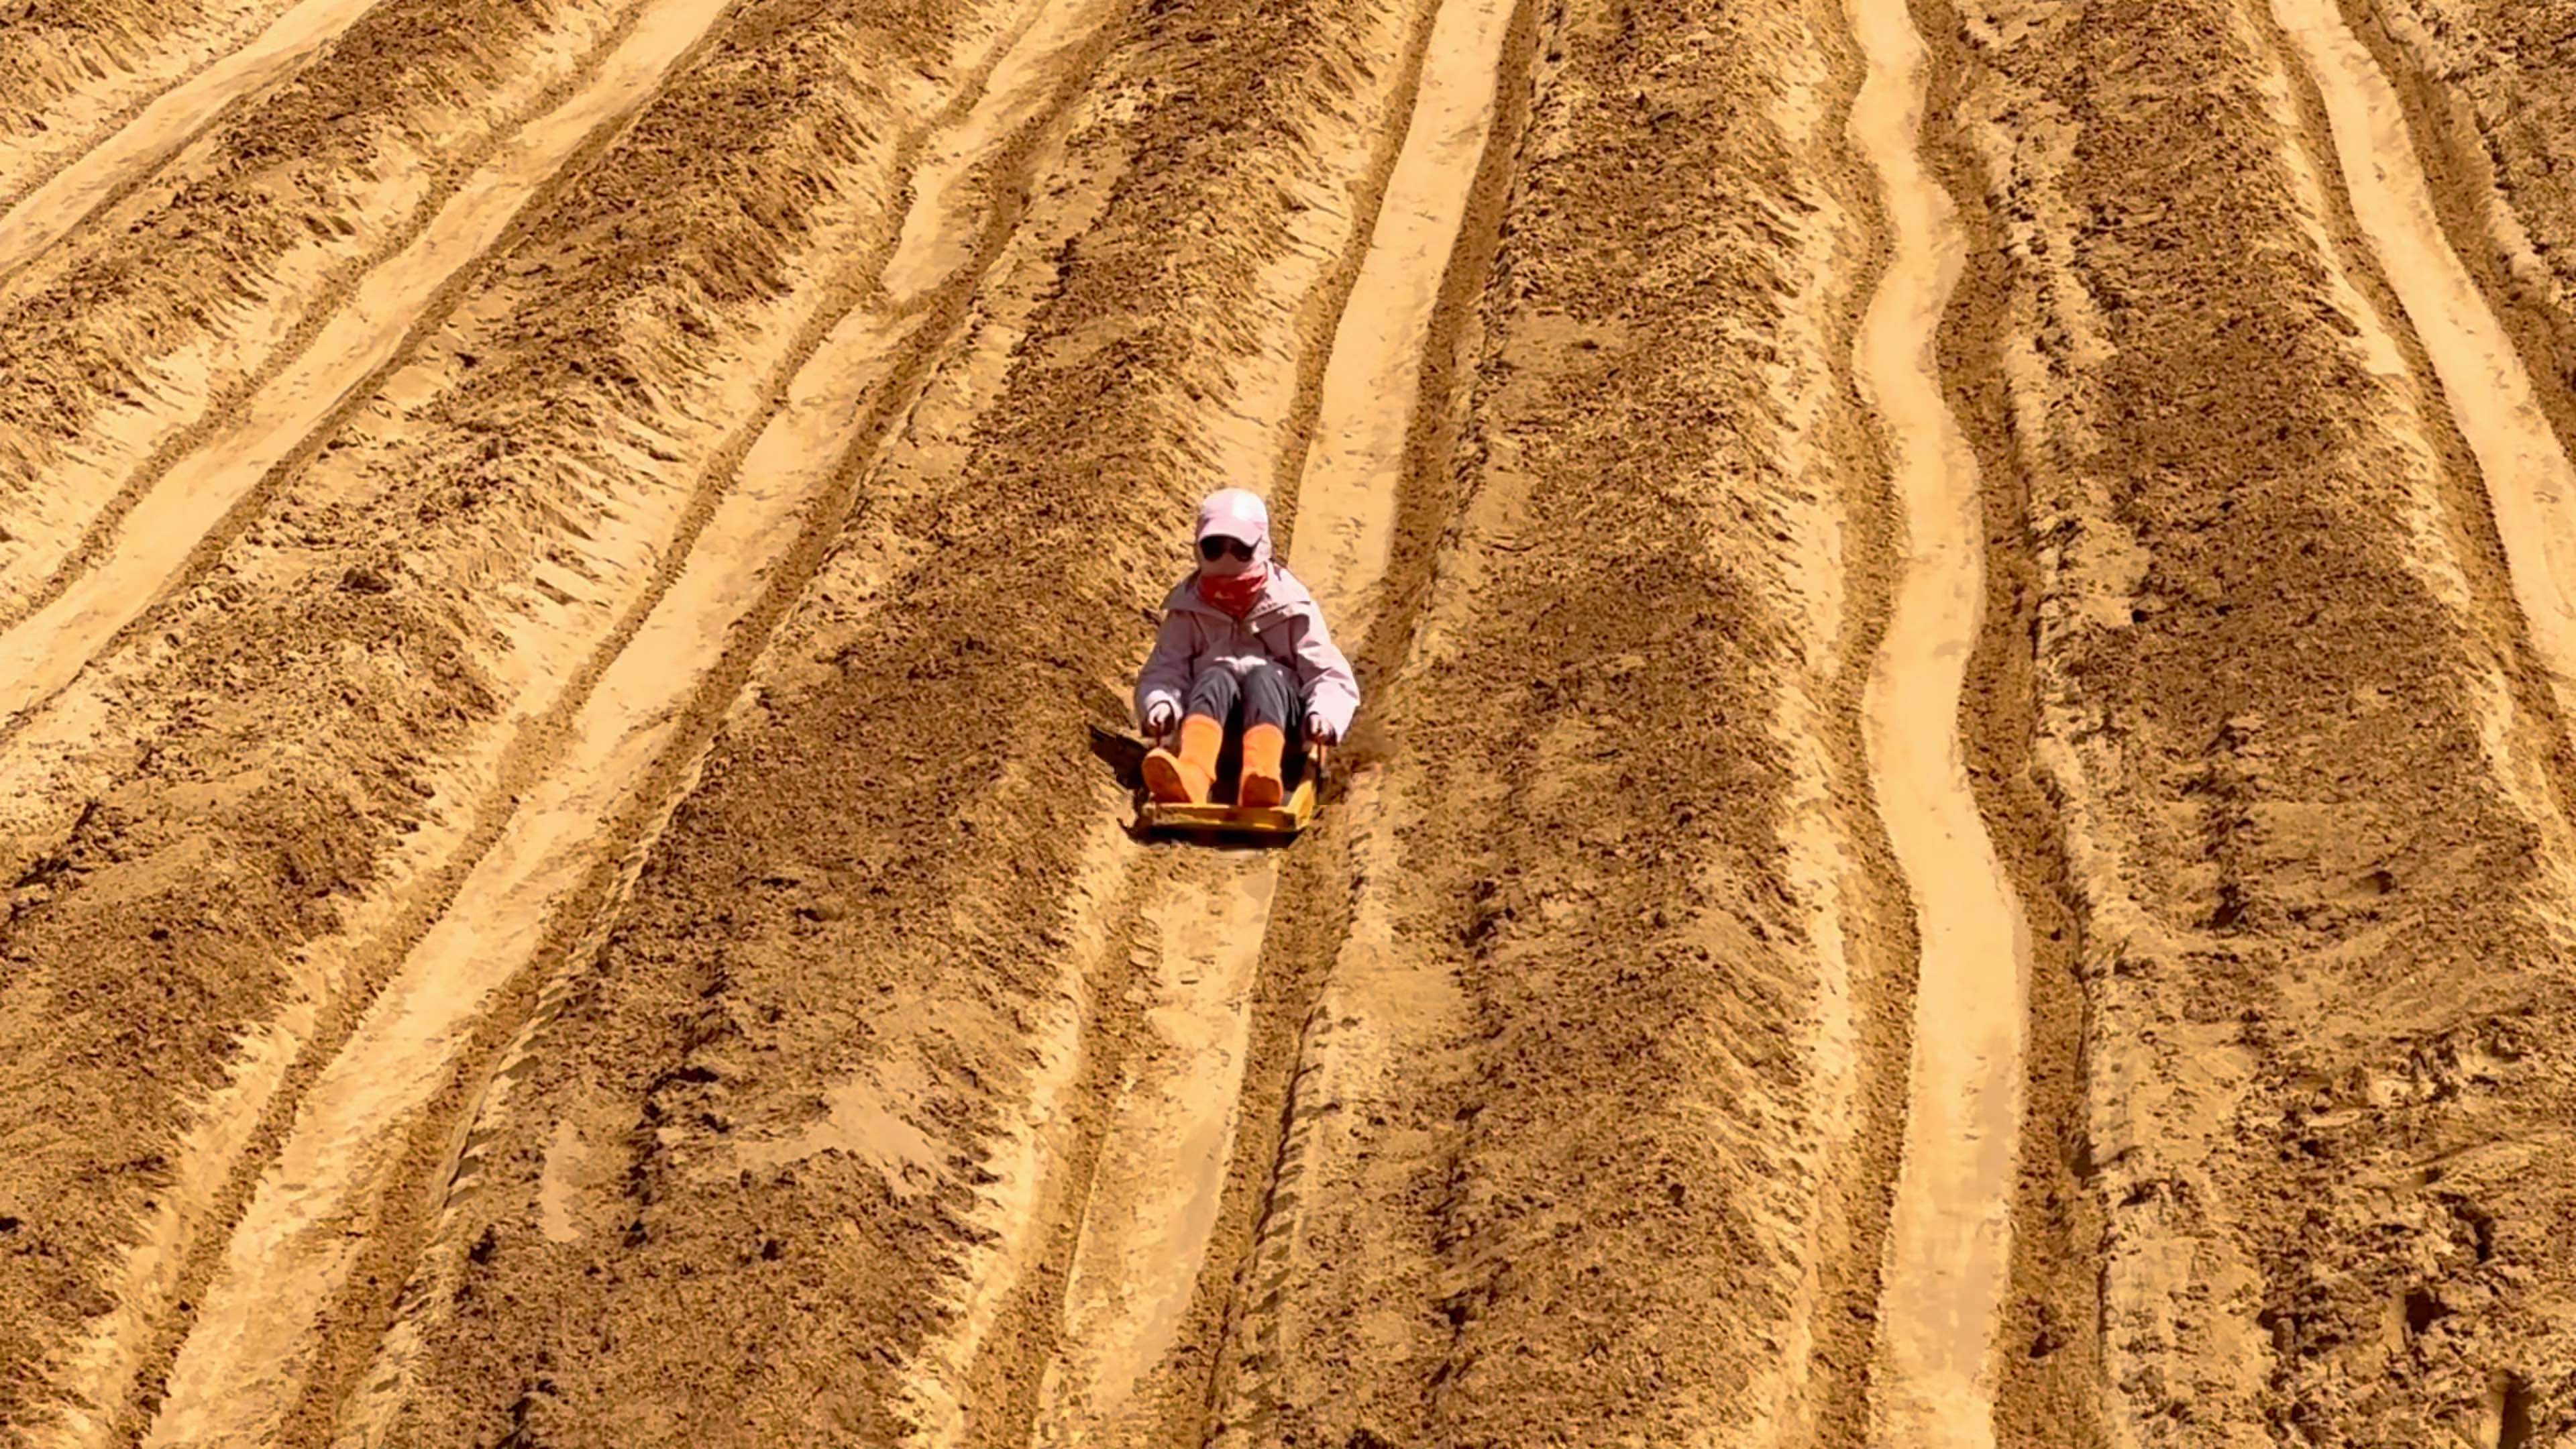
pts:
pixel 1285 626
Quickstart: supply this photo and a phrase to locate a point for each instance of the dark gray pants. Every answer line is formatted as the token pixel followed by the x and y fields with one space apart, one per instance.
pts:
pixel 1267 694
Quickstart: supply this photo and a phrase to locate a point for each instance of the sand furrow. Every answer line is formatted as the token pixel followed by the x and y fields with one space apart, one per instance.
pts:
pixel 1964 833
pixel 566 537
pixel 1163 1150
pixel 2482 86
pixel 2301 760
pixel 2529 482
pixel 952 1100
pixel 100 174
pixel 637 729
pixel 1950 1238
pixel 73 85
pixel 1151 1207
pixel 180 383
pixel 1589 865
pixel 1146 1199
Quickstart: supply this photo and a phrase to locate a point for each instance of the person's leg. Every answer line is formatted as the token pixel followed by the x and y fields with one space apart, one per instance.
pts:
pixel 1183 776
pixel 1213 695
pixel 1269 712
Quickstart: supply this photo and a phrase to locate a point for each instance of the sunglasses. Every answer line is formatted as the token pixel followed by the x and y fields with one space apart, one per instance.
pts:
pixel 1217 546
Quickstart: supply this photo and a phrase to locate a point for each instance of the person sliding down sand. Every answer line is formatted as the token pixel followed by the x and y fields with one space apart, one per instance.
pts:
pixel 1242 643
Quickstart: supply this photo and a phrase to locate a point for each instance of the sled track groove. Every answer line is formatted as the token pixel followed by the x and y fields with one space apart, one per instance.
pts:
pixel 2047 1393
pixel 175 60
pixel 2488 393
pixel 1961 836
pixel 201 480
pixel 1141 1185
pixel 118 162
pixel 1385 1257
pixel 659 747
pixel 1376 575
pixel 1153 1224
pixel 1950 1243
pixel 536 741
pixel 2290 746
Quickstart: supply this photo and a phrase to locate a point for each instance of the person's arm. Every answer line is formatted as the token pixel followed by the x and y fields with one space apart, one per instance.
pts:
pixel 1166 677
pixel 1332 691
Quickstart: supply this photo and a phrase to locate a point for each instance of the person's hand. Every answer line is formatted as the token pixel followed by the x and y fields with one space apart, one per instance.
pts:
pixel 1319 730
pixel 1160 716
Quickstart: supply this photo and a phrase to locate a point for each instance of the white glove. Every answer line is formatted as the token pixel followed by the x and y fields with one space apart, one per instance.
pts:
pixel 1160 716
pixel 1320 731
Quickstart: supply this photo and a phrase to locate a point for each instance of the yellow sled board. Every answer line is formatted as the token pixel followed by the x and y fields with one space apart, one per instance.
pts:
pixel 1283 821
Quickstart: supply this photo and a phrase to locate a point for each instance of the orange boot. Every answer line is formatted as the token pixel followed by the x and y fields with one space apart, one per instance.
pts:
pixel 1262 787
pixel 1186 777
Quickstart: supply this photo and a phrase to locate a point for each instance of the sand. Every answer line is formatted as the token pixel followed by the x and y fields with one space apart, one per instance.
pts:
pixel 1960 835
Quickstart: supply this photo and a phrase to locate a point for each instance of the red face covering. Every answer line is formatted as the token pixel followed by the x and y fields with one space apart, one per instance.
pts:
pixel 1235 593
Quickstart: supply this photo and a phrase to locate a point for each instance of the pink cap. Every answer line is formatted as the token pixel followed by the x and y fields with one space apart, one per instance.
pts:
pixel 1235 513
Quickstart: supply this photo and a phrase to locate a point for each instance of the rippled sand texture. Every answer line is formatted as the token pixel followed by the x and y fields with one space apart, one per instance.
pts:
pixel 1961 835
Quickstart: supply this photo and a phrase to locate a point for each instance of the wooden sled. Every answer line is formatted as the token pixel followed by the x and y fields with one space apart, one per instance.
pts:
pixel 1220 818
